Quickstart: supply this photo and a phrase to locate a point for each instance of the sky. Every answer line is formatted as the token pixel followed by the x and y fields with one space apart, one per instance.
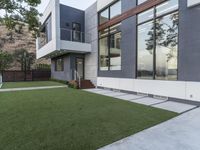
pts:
pixel 80 4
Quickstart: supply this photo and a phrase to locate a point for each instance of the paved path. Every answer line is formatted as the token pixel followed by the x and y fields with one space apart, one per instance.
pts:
pixel 142 99
pixel 180 133
pixel 31 88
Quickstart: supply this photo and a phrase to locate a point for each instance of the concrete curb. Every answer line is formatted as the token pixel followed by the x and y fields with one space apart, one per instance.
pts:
pixel 31 88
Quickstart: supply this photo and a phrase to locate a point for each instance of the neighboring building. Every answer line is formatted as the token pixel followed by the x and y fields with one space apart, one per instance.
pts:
pixel 143 46
pixel 19 38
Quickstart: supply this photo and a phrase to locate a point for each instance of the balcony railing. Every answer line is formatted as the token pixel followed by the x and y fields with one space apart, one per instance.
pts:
pixel 66 35
pixel 75 36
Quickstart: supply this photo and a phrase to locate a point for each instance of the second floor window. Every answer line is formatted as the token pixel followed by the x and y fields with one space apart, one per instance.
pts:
pixel 110 48
pixel 46 32
pixel 110 12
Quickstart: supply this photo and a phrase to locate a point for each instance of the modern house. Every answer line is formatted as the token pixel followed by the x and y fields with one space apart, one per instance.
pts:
pixel 142 46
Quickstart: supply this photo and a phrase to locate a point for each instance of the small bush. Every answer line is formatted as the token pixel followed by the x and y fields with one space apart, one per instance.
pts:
pixel 73 84
pixel 59 81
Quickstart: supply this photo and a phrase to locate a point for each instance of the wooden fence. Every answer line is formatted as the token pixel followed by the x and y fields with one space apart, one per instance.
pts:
pixel 33 75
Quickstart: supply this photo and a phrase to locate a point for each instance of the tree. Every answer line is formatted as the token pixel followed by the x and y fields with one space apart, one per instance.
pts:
pixel 25 59
pixel 19 12
pixel 166 35
pixel 5 60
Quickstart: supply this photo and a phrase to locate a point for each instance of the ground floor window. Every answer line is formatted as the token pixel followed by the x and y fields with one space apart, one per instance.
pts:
pixel 157 45
pixel 59 64
pixel 110 48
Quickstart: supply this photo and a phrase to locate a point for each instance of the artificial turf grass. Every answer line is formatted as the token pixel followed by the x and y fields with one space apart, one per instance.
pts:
pixel 8 85
pixel 59 119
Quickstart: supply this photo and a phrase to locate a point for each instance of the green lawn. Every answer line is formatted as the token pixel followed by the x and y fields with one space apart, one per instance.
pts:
pixel 68 119
pixel 29 84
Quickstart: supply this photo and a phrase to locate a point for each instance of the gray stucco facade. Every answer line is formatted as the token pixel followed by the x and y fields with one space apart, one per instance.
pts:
pixel 128 46
pixel 189 42
pixel 188 46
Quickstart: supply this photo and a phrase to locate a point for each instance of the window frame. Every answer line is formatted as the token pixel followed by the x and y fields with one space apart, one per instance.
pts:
pixel 108 42
pixel 155 17
pixel 62 65
pixel 109 10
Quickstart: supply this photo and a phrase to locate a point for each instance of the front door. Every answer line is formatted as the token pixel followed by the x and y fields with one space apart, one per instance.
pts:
pixel 80 67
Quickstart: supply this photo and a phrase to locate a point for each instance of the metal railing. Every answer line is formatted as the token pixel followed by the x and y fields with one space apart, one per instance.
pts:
pixel 77 77
pixel 75 36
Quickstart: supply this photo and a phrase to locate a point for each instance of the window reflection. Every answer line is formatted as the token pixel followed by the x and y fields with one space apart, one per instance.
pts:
pixel 141 1
pixel 59 64
pixel 167 47
pixel 110 12
pixel 115 51
pixel 104 16
pixel 166 7
pixel 145 16
pixel 115 9
pixel 145 50
pixel 103 50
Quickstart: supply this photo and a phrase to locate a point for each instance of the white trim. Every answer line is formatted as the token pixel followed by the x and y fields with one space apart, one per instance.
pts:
pixel 175 89
pixel 53 8
pixel 75 46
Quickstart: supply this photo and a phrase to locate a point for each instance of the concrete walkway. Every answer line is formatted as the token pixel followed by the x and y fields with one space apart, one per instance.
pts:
pixel 31 88
pixel 142 99
pixel 180 133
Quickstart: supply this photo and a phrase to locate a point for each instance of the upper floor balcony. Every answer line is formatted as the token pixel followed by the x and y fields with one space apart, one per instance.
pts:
pixel 68 41
pixel 62 32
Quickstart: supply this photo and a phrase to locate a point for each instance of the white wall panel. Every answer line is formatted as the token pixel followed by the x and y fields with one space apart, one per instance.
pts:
pixel 193 91
pixel 175 89
pixel 75 46
pixel 163 88
pixel 53 8
pixel 126 84
pixel 108 82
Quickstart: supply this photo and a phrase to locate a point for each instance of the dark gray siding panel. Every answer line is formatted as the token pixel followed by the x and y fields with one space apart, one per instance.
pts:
pixel 62 75
pixel 189 43
pixel 69 67
pixel 128 46
pixel 68 15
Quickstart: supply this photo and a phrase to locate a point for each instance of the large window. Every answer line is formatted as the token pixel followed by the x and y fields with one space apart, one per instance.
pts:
pixel 110 12
pixel 110 48
pixel 103 52
pixel 145 53
pixel 157 42
pixel 115 51
pixel 46 32
pixel 59 64
pixel 104 16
